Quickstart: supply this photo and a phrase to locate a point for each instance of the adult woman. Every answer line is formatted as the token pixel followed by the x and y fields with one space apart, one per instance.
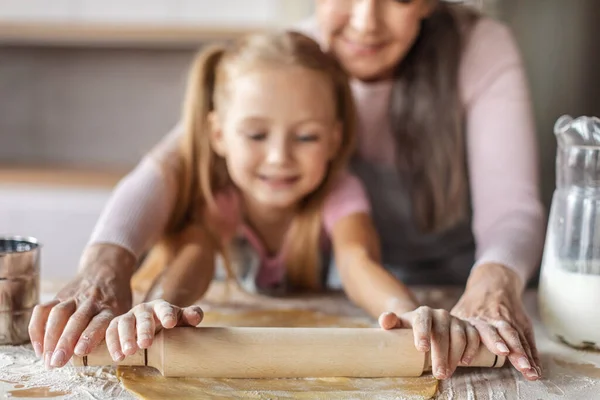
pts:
pixel 446 140
pixel 443 113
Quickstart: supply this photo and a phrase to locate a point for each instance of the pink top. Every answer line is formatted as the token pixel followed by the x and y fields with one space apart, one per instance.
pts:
pixel 347 197
pixel 508 217
pixel 139 209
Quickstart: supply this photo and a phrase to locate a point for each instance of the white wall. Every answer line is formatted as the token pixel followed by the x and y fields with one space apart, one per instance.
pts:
pixel 62 219
pixel 97 108
pixel 559 42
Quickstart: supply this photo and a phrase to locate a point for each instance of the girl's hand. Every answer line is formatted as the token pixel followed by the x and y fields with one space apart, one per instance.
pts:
pixel 135 329
pixel 493 304
pixel 452 341
pixel 76 320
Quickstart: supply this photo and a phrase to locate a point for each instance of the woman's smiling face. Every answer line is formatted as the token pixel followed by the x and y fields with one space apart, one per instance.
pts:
pixel 370 37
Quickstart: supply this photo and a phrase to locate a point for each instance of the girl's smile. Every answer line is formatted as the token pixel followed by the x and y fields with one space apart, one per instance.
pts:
pixel 279 182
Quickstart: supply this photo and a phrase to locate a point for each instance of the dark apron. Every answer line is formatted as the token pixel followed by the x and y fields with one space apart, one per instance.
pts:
pixel 414 257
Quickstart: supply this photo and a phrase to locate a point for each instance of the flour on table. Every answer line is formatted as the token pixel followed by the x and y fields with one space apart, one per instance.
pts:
pixel 568 374
pixel 19 364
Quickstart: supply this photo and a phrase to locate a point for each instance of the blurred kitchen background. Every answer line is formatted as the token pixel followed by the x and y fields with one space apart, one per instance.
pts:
pixel 88 86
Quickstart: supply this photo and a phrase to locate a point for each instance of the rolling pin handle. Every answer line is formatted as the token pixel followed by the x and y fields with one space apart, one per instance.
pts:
pixel 483 359
pixel 499 362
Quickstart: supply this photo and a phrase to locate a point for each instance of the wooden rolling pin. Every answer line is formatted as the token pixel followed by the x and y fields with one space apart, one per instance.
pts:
pixel 228 352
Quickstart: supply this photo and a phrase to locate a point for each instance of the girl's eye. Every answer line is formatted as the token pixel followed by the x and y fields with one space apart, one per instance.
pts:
pixel 309 137
pixel 257 136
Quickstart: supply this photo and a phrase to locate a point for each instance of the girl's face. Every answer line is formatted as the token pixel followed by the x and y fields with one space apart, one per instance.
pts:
pixel 370 37
pixel 278 131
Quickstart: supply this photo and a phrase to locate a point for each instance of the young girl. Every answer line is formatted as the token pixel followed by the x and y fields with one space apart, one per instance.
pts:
pixel 268 129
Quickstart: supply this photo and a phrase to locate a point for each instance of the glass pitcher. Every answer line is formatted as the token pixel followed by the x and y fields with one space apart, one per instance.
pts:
pixel 569 290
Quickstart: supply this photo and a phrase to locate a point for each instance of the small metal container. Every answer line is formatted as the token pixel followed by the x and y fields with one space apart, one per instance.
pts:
pixel 19 287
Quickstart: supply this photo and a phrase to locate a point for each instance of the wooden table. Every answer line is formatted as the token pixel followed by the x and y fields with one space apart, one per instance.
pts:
pixel 569 373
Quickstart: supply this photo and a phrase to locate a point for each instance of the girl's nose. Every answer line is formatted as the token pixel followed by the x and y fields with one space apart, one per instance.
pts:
pixel 278 151
pixel 364 15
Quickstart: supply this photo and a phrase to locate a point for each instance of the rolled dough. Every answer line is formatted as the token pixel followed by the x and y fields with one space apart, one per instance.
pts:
pixel 147 383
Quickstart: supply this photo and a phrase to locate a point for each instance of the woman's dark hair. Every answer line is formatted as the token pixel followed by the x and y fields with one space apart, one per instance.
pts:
pixel 427 118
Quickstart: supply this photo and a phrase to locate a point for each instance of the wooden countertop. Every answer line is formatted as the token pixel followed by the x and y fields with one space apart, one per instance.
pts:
pixel 59 176
pixel 568 373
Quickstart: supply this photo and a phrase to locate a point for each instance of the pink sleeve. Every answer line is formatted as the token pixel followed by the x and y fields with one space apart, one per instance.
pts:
pixel 140 206
pixel 347 197
pixel 508 216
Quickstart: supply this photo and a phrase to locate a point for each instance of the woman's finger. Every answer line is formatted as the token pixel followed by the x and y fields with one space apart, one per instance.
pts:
pixel 37 325
pixel 57 320
pixel 94 333
pixel 491 338
pixel 458 343
pixel 192 316
pixel 113 343
pixel 144 324
pixel 473 343
pixel 518 356
pixel 389 320
pixel 166 313
pixel 440 343
pixel 422 328
pixel 530 338
pixel 126 330
pixel 525 345
pixel 535 372
pixel 73 330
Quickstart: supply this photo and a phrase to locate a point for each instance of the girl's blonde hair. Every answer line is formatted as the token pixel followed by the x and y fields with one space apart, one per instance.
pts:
pixel 203 173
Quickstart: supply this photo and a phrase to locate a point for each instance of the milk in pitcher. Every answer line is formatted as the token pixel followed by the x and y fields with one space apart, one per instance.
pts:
pixel 569 304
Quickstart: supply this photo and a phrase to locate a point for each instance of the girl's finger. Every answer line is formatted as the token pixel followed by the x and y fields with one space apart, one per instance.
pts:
pixel 37 325
pixel 422 328
pixel 73 329
pixel 389 320
pixel 473 343
pixel 166 313
pixel 458 343
pixel 440 343
pixel 144 324
pixel 94 333
pixel 57 320
pixel 192 316
pixel 126 330
pixel 113 344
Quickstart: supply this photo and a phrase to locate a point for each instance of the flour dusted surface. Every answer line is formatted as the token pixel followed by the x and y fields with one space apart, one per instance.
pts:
pixel 19 365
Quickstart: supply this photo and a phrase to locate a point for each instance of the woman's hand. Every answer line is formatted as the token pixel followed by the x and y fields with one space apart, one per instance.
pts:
pixel 135 329
pixel 451 340
pixel 492 303
pixel 76 320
